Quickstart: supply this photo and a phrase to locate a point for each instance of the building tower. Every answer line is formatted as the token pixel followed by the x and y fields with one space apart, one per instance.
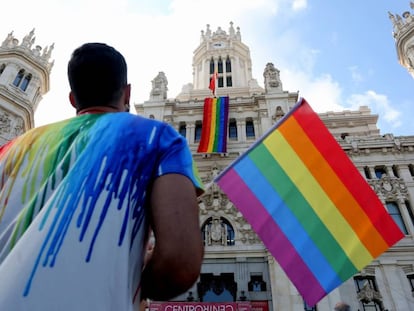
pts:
pixel 403 33
pixel 24 79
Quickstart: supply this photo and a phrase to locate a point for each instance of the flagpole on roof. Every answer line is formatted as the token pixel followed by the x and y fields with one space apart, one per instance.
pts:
pixel 213 83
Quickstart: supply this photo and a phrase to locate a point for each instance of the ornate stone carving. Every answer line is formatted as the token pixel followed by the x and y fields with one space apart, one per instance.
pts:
pixel 215 202
pixel 159 87
pixel 26 46
pixel 279 113
pixel 368 294
pixel 390 188
pixel 10 125
pixel 216 232
pixel 271 78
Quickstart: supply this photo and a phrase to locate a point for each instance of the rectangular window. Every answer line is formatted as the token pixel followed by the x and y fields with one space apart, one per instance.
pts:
pixel 183 129
pixel 197 133
pixel 220 66
pixel 249 129
pixel 256 283
pixel 229 81
pixel 395 213
pixel 220 82
pixel 228 64
pixel 232 129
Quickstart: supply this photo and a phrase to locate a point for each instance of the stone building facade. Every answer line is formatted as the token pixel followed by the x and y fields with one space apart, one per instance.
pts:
pixel 237 266
pixel 24 79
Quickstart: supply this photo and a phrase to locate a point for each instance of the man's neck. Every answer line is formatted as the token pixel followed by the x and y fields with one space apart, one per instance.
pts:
pixel 97 109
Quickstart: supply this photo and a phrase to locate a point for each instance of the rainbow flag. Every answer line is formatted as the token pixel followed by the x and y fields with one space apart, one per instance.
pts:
pixel 215 120
pixel 309 204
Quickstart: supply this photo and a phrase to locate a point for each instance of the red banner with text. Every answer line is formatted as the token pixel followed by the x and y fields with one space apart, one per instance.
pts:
pixel 201 306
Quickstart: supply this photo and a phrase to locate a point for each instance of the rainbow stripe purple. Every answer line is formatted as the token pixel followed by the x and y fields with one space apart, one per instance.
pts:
pixel 215 120
pixel 309 204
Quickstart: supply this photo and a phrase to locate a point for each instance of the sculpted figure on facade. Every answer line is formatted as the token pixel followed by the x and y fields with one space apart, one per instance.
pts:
pixel 368 294
pixel 216 232
pixel 5 123
pixel 18 127
pixel 159 87
pixel 279 113
pixel 28 40
pixel 8 42
pixel 272 78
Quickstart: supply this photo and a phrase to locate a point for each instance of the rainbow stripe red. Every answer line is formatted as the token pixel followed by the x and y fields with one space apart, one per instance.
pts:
pixel 215 120
pixel 309 204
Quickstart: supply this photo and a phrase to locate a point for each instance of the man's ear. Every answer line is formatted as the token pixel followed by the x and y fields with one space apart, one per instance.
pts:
pixel 72 100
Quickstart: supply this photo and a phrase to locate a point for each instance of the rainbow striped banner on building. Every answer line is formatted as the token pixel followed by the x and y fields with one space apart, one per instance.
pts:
pixel 309 204
pixel 214 130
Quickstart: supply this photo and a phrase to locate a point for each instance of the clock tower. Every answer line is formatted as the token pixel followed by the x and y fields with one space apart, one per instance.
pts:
pixel 24 79
pixel 225 53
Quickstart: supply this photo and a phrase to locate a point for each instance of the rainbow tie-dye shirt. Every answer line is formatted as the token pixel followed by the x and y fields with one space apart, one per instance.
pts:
pixel 72 210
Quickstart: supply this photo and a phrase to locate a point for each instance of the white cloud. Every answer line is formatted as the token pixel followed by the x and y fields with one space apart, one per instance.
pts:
pixel 299 5
pixel 379 104
pixel 322 93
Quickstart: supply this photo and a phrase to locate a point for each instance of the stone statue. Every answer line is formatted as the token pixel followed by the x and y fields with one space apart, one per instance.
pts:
pixel 217 232
pixel 272 78
pixel 28 40
pixel 159 87
pixel 278 114
pixel 8 41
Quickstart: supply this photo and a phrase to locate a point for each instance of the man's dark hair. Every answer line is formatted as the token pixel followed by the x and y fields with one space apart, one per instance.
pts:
pixel 97 75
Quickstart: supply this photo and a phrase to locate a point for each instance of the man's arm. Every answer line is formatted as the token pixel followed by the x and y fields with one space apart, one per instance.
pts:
pixel 178 253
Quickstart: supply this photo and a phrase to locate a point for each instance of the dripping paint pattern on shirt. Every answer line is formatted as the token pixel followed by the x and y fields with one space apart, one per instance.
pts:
pixel 69 175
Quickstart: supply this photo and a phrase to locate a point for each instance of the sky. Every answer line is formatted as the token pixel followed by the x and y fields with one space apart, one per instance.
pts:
pixel 339 55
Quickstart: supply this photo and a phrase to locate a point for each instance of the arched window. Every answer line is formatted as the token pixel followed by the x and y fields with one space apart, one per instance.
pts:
pixel 228 64
pixel 26 82
pixel 380 171
pixel 197 133
pixel 220 65
pixel 249 128
pixel 217 231
pixel 211 66
pixel 2 68
pixel 396 171
pixel 232 129
pixel 411 169
pixel 182 129
pixel 18 78
pixel 367 172
pixel 395 213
